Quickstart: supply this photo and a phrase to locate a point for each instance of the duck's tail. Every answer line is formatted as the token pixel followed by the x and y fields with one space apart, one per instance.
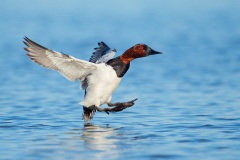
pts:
pixel 88 113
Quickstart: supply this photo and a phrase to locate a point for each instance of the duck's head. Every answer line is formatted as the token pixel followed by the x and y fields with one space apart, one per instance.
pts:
pixel 137 51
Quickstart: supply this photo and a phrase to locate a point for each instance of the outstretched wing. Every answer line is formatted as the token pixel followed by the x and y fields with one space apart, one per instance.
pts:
pixel 102 54
pixel 68 66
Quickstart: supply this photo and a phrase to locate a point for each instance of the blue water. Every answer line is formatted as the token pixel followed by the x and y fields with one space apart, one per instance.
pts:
pixel 189 97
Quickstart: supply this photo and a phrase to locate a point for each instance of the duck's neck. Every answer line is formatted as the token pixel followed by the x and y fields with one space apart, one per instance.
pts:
pixel 119 66
pixel 127 56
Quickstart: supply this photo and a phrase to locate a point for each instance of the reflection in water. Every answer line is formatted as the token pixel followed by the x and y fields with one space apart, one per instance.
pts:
pixel 101 139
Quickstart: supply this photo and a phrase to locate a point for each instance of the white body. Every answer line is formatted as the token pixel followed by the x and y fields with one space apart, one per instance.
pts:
pixel 101 84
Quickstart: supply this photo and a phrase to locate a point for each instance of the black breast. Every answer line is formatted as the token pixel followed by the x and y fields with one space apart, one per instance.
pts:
pixel 118 65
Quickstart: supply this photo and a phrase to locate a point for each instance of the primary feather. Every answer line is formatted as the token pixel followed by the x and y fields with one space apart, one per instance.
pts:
pixel 70 67
pixel 102 54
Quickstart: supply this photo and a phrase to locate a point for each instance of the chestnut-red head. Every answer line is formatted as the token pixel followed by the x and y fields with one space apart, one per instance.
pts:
pixel 137 51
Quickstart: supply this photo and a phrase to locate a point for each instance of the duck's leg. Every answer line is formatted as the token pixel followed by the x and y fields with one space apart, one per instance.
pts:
pixel 88 113
pixel 119 106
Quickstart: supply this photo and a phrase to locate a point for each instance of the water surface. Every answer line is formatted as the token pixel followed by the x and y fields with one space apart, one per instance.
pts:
pixel 188 106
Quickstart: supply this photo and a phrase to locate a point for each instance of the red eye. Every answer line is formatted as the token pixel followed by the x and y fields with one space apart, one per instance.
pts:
pixel 138 48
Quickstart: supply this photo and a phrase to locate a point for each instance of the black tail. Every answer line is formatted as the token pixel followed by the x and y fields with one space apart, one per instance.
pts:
pixel 88 113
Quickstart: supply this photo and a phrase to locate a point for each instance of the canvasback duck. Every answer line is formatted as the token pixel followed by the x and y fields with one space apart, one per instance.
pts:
pixel 99 77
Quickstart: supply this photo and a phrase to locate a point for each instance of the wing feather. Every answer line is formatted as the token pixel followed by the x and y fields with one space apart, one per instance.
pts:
pixel 102 54
pixel 70 67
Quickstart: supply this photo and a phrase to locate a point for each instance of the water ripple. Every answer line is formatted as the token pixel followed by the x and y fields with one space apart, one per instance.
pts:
pixel 188 106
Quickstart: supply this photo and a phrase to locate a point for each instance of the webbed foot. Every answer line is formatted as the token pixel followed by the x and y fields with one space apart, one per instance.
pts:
pixel 119 106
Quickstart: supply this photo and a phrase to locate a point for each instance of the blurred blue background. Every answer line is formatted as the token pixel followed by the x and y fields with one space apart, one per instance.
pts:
pixel 188 105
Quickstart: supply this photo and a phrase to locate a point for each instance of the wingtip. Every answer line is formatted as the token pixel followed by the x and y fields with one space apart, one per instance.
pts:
pixel 26 49
pixel 25 42
pixel 28 42
pixel 101 43
pixel 26 38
